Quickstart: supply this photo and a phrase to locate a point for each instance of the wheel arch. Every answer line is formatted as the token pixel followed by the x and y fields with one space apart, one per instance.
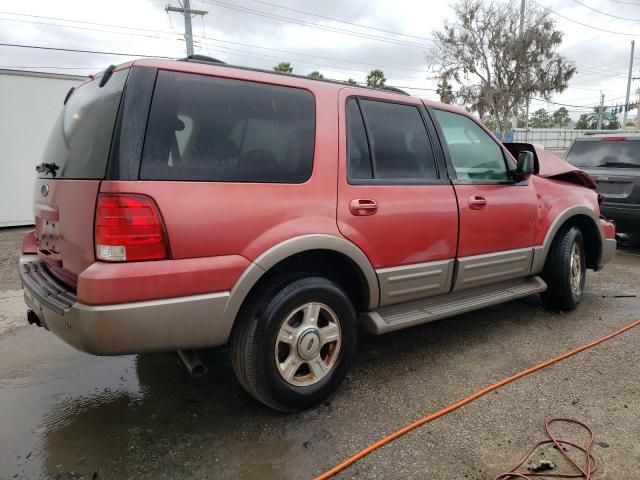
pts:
pixel 311 251
pixel 587 221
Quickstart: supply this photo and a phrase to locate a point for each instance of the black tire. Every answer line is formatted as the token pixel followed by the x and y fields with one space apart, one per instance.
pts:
pixel 253 345
pixel 563 293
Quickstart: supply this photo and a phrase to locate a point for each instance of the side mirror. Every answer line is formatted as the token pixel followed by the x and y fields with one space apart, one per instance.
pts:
pixel 526 165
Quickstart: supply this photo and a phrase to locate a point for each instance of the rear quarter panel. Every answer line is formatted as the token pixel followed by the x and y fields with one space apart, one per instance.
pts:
pixel 205 219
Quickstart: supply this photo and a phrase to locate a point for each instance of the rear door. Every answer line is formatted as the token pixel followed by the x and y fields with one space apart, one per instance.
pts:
pixel 497 215
pixel 73 164
pixel 394 200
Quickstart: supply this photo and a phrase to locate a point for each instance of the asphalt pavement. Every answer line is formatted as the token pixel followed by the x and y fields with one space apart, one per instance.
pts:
pixel 65 414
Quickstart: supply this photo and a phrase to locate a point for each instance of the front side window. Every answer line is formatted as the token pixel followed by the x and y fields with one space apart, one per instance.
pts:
pixel 474 154
pixel 215 129
pixel 394 146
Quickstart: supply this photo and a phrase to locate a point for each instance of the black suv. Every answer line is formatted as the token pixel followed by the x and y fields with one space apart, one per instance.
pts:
pixel 614 162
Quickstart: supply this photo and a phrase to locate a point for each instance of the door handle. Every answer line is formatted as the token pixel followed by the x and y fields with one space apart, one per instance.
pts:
pixel 363 207
pixel 476 202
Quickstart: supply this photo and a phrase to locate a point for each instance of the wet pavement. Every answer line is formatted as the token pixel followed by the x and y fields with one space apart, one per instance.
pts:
pixel 65 414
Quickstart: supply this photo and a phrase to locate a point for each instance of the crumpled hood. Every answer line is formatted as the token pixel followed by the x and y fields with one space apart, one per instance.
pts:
pixel 552 166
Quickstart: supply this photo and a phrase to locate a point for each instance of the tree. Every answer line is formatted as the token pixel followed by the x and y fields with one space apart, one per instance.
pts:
pixel 631 123
pixel 584 122
pixel 445 90
pixel 351 81
pixel 561 117
pixel 612 121
pixel 315 74
pixel 589 121
pixel 489 122
pixel 376 79
pixel 284 67
pixel 540 119
pixel 496 68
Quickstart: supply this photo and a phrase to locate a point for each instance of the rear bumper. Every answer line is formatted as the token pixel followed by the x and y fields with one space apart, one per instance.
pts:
pixel 157 325
pixel 626 215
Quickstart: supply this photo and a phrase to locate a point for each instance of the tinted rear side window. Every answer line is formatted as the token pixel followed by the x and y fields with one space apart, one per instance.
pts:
pixel 81 137
pixel 359 156
pixel 604 153
pixel 215 129
pixel 399 142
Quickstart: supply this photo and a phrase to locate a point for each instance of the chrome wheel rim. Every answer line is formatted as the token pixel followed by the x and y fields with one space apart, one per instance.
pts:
pixel 576 270
pixel 308 344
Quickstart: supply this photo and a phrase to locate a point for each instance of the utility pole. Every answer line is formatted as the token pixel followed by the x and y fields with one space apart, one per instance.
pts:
pixel 187 13
pixel 514 121
pixel 626 106
pixel 600 111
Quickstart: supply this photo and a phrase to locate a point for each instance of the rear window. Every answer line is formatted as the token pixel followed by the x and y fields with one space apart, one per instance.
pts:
pixel 78 146
pixel 215 129
pixel 605 154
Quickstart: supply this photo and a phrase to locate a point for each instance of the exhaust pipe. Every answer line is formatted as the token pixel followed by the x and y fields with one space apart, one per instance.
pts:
pixel 192 362
pixel 33 319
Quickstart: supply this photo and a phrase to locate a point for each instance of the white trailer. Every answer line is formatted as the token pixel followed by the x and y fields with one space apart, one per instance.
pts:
pixel 29 104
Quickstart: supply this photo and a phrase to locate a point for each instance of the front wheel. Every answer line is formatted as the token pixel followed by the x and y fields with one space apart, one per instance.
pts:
pixel 295 342
pixel 565 270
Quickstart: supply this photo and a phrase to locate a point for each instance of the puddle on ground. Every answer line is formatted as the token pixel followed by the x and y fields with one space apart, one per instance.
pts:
pixel 74 414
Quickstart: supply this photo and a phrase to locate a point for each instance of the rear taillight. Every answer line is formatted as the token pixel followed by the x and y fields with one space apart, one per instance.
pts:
pixel 128 228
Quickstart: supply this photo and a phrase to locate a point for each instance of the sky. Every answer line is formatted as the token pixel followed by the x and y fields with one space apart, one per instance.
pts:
pixel 340 38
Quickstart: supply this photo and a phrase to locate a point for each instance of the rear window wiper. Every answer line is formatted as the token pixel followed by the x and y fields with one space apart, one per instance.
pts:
pixel 620 164
pixel 47 168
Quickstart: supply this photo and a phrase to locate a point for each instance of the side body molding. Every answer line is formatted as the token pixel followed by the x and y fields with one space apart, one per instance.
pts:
pixel 540 253
pixel 291 247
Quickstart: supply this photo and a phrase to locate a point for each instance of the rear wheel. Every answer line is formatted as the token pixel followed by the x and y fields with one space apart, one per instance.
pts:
pixel 295 342
pixel 565 270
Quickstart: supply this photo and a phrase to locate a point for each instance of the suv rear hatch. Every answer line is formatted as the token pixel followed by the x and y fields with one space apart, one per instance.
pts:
pixel 74 163
pixel 614 162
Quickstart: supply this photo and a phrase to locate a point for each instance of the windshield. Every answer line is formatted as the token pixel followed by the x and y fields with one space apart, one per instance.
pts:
pixel 79 143
pixel 599 153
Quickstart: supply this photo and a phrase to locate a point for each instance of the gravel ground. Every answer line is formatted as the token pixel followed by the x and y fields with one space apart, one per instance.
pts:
pixel 65 414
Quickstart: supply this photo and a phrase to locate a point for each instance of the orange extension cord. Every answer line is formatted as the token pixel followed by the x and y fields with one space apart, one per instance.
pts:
pixel 363 453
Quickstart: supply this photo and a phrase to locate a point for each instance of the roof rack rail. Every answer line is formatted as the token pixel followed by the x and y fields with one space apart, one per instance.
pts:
pixel 395 90
pixel 202 59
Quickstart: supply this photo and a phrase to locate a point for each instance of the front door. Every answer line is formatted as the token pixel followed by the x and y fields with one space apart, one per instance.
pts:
pixel 497 215
pixel 394 200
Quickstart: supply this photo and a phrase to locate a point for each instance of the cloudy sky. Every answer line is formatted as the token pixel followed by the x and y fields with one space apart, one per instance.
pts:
pixel 341 38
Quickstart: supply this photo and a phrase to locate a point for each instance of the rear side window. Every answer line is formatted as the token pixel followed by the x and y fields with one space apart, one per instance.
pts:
pixel 474 154
pixel 605 153
pixel 398 144
pixel 359 156
pixel 78 146
pixel 214 129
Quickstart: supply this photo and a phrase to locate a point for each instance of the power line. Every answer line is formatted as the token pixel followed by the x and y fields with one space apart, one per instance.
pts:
pixel 586 24
pixel 341 21
pixel 314 25
pixel 77 27
pixel 626 3
pixel 333 59
pixel 607 14
pixel 75 50
pixel 59 19
pixel 177 35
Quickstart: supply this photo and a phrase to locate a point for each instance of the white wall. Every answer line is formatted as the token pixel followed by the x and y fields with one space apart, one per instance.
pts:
pixel 29 104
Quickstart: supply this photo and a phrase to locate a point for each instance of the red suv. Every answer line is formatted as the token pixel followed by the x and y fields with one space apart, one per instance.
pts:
pixel 189 204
